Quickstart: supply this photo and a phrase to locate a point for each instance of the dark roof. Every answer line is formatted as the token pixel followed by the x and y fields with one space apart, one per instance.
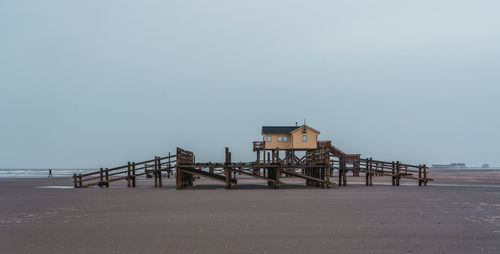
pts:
pixel 278 129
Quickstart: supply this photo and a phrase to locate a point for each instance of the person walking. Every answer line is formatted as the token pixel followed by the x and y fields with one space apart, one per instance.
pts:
pixel 50 173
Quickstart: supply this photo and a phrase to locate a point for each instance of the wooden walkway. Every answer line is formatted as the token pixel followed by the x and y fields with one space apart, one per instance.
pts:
pixel 316 168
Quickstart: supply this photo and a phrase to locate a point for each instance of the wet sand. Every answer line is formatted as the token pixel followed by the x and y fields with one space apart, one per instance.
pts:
pixel 251 218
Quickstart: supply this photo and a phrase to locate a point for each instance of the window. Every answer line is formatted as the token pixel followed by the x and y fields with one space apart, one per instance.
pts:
pixel 268 138
pixel 304 138
pixel 285 139
pixel 280 139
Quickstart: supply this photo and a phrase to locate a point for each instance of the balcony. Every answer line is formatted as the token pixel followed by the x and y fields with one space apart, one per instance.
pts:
pixel 258 145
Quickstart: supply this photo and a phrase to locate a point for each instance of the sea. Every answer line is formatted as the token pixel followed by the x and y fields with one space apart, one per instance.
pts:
pixel 39 173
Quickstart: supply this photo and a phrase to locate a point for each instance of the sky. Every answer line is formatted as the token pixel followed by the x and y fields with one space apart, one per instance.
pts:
pixel 88 84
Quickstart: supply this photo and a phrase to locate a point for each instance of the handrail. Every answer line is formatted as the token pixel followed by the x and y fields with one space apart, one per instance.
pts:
pixel 101 174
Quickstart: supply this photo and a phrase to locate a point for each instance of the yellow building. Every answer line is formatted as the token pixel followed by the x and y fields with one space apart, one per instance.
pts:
pixel 290 137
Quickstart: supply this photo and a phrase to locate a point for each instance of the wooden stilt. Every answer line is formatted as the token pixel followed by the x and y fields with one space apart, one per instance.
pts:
pixel 74 181
pixel 101 177
pixel 397 173
pixel 178 180
pixel 128 174
pixel 367 172
pixel 107 178
pixel 419 175
pixel 326 169
pixel 169 170
pixel 155 172
pixel 393 174
pixel 160 182
pixel 227 169
pixel 371 172
pixel 425 175
pixel 277 178
pixel 257 170
pixel 340 172
pixel 344 172
pixel 133 174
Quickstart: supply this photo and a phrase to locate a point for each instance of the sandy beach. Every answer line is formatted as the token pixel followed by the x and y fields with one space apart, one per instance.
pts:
pixel 43 216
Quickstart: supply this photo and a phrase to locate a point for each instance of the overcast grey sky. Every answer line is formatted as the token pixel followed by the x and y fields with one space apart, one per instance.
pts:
pixel 98 83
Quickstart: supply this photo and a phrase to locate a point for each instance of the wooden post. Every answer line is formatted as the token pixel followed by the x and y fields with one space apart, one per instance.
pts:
pixel 340 171
pixel 371 172
pixel 257 170
pixel 107 177
pixel 178 185
pixel 74 181
pixel 129 167
pixel 169 166
pixel 344 172
pixel 326 185
pixel 419 175
pixel 101 176
pixel 278 171
pixel 81 181
pixel 160 183
pixel 227 169
pixel 133 174
pixel 425 175
pixel 367 168
pixel 155 171
pixel 277 178
pixel 393 174
pixel 357 167
pixel 397 173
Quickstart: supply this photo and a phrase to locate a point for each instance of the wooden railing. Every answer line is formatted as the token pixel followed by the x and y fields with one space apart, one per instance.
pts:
pixel 371 167
pixel 128 172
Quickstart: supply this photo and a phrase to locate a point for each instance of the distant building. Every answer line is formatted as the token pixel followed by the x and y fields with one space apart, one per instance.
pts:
pixel 290 137
pixel 451 165
pixel 457 165
pixel 485 166
pixel 440 165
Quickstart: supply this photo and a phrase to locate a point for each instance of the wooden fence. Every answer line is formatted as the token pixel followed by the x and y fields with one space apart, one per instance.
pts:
pixel 128 172
pixel 371 167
